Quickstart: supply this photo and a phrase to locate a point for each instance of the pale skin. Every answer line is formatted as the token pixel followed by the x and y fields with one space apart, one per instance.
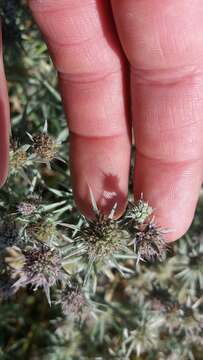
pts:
pixel 123 64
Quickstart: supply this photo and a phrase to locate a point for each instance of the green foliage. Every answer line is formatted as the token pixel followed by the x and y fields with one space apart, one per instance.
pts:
pixel 107 305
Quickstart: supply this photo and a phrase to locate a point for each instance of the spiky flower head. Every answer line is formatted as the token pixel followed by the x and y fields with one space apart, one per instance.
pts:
pixel 73 302
pixel 39 266
pixel 191 322
pixel 189 267
pixel 101 241
pixel 45 146
pixel 139 211
pixel 103 237
pixel 42 230
pixel 149 242
pixel 26 208
pixel 18 159
pixel 146 336
pixel 184 319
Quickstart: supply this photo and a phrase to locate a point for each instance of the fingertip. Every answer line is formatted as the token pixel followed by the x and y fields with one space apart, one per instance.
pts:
pixel 102 165
pixel 173 234
pixel 172 190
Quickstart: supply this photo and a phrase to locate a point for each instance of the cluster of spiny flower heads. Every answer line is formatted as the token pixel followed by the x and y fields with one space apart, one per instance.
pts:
pixel 103 237
pixel 154 313
pixel 43 149
pixel 147 237
pixel 96 245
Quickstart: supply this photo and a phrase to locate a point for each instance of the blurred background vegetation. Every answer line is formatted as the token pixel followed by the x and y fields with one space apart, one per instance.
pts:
pixel 156 314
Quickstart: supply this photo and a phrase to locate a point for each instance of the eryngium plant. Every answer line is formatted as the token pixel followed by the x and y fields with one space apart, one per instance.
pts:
pixel 38 266
pixel 100 243
pixel 102 238
pixel 138 212
pixel 45 147
pixel 29 328
pixel 147 238
pixel 26 208
pixel 73 302
pixel 149 242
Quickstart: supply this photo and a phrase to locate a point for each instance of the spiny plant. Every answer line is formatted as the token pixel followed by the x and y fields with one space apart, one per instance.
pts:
pixel 148 238
pixel 100 241
pixel 120 304
pixel 73 301
pixel 38 266
pixel 81 261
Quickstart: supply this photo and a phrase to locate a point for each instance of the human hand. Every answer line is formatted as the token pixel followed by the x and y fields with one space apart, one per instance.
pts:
pixel 159 45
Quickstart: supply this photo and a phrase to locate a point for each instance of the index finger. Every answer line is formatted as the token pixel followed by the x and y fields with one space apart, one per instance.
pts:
pixel 91 67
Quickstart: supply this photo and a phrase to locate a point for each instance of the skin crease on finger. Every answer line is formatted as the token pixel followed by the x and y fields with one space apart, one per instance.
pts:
pixel 167 103
pixel 4 121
